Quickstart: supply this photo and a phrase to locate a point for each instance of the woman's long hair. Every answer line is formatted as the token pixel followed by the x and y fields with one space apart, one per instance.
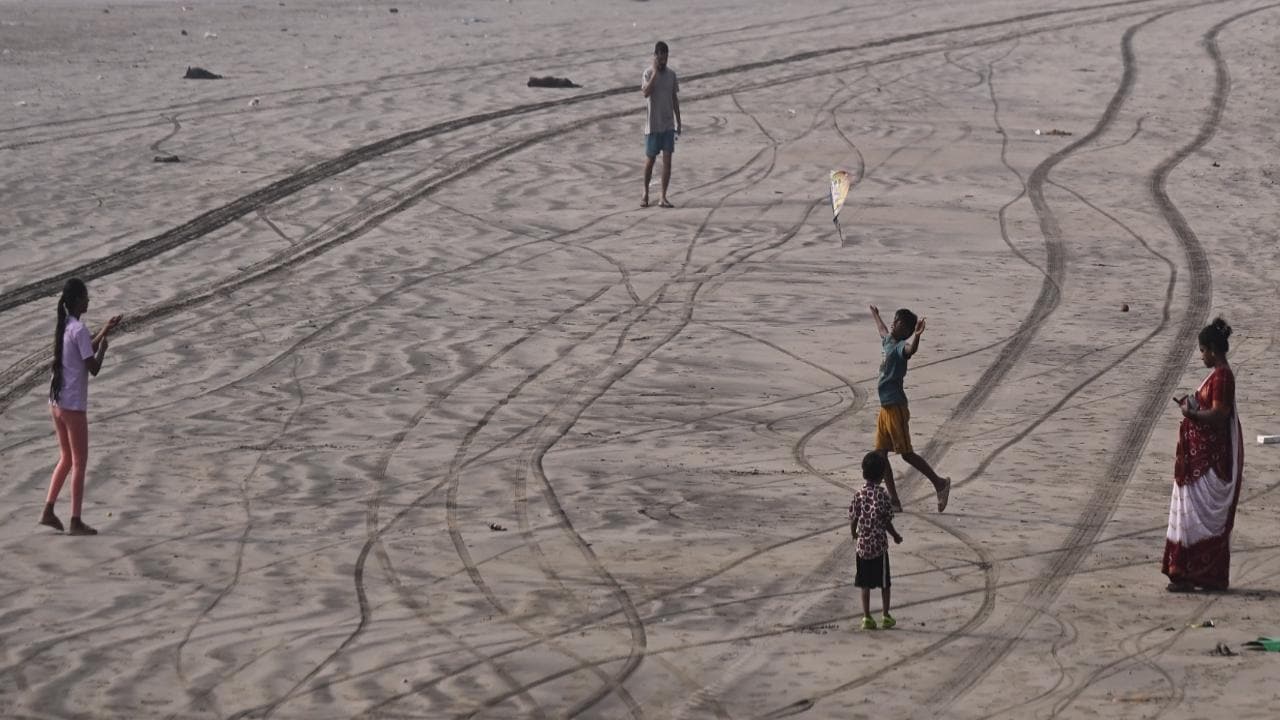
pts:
pixel 72 293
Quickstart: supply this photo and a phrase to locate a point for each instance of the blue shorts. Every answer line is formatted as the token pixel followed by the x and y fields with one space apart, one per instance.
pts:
pixel 664 141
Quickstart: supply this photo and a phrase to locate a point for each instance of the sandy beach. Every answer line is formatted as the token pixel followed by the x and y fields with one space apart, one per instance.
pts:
pixel 416 413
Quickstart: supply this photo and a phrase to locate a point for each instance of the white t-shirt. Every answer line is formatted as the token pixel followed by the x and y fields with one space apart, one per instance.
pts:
pixel 77 347
pixel 662 101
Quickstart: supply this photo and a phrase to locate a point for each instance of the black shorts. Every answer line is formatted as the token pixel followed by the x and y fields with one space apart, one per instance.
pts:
pixel 872 572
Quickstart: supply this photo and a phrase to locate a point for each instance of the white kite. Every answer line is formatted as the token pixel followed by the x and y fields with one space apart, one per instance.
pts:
pixel 841 182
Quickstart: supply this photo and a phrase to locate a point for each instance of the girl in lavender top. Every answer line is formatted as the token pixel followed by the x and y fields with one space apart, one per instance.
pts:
pixel 76 356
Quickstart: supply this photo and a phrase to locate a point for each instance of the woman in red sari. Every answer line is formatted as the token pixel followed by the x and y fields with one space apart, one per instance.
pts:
pixel 1206 475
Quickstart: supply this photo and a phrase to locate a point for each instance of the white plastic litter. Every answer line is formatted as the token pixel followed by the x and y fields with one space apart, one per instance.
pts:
pixel 1037 131
pixel 210 36
pixel 254 102
pixel 1268 439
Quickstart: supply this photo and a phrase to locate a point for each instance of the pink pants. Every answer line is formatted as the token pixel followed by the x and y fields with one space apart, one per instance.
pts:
pixel 72 427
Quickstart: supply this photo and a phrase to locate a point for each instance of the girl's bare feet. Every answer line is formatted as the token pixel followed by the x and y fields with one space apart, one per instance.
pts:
pixel 79 528
pixel 48 518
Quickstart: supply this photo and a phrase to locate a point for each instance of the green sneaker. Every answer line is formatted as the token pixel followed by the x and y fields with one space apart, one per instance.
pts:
pixel 868 623
pixel 887 621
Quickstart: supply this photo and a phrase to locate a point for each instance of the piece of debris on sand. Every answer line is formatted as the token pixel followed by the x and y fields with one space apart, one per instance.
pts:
pixel 199 73
pixel 552 82
pixel 166 159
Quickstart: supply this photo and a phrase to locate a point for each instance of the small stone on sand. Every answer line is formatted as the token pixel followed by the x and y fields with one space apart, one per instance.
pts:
pixel 199 73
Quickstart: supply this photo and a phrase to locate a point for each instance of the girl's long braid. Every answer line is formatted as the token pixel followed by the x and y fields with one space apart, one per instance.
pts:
pixel 72 291
pixel 55 387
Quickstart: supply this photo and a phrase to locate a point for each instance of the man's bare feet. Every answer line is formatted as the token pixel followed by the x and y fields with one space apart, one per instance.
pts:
pixel 665 203
pixel 48 518
pixel 944 495
pixel 79 528
pixel 644 201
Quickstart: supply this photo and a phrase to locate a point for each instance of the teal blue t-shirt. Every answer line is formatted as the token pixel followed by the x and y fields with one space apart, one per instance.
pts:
pixel 893 370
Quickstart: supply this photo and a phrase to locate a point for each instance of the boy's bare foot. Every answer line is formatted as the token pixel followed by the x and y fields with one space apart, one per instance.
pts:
pixel 644 201
pixel 48 518
pixel 944 495
pixel 79 528
pixel 665 203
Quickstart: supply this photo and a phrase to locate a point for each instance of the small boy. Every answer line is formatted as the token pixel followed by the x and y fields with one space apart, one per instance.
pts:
pixel 892 426
pixel 870 516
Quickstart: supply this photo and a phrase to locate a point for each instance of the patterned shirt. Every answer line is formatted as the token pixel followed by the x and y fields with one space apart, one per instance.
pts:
pixel 872 512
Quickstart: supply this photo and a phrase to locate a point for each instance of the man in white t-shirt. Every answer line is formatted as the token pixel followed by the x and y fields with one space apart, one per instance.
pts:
pixel 662 121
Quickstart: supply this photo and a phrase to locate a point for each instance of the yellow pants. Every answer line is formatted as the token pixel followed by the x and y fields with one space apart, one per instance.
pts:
pixel 893 430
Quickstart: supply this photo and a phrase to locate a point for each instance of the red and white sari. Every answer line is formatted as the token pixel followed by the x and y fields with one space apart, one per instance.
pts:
pixel 1207 478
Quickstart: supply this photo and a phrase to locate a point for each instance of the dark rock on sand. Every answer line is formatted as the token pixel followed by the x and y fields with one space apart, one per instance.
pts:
pixel 199 73
pixel 552 82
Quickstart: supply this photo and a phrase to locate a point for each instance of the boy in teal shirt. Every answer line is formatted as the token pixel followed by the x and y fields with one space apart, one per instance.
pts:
pixel 893 433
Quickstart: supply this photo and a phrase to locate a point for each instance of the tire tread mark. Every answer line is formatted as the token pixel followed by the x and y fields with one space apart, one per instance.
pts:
pixel 533 467
pixel 214 219
pixel 371 515
pixel 1107 492
pixel 19 378
pixel 601 386
pixel 202 694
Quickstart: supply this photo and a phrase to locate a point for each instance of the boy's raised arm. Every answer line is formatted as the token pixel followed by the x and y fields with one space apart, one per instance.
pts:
pixel 875 315
pixel 910 349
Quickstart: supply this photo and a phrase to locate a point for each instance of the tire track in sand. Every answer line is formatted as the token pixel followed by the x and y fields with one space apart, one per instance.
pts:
pixel 201 695
pixel 556 423
pixel 374 543
pixel 214 219
pixel 1045 303
pixel 636 652
pixel 378 532
pixel 1107 491
pixel 458 464
pixel 24 375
